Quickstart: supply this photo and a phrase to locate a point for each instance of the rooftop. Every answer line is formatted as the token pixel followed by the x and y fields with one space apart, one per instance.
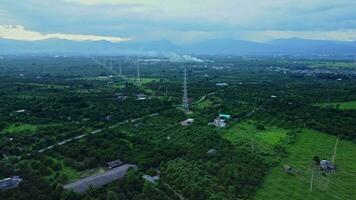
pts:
pixel 99 180
pixel 9 183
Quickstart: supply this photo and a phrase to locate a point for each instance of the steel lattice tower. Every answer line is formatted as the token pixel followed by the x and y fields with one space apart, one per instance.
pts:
pixel 138 73
pixel 185 102
pixel 120 70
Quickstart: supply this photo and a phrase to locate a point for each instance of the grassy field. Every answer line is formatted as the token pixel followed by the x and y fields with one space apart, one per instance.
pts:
pixel 338 185
pixel 143 80
pixel 204 104
pixel 247 130
pixel 350 105
pixel 21 128
pixel 332 64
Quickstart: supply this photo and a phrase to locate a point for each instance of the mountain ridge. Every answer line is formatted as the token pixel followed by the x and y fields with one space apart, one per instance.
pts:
pixel 218 46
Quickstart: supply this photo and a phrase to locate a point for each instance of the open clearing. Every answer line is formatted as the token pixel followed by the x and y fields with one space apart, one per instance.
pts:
pixel 247 130
pixel 339 185
pixel 21 128
pixel 350 105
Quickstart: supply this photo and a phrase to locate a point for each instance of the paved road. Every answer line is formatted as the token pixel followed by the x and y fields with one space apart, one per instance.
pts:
pixel 99 180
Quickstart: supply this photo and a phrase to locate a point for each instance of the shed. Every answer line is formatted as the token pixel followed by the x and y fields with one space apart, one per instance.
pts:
pixel 114 164
pixel 224 116
pixel 99 180
pixel 211 152
pixel 326 165
pixel 10 183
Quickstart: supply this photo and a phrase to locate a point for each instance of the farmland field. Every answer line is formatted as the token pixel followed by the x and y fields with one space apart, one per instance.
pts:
pixel 338 185
pixel 248 131
pixel 351 105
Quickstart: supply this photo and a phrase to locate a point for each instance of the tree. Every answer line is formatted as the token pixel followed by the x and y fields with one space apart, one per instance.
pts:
pixel 317 160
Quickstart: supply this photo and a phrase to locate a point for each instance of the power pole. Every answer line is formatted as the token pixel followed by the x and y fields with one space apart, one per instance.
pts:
pixel 185 102
pixel 311 182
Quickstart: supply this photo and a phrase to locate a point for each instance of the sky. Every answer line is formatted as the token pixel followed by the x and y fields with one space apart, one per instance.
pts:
pixel 180 21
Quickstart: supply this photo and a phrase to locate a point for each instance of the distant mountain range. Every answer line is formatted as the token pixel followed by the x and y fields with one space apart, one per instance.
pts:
pixel 292 46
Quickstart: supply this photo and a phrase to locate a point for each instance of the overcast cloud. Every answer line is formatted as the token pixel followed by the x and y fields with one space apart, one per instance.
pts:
pixel 179 20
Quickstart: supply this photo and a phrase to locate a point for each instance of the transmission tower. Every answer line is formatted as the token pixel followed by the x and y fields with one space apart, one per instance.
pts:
pixel 185 103
pixel 138 73
pixel 120 70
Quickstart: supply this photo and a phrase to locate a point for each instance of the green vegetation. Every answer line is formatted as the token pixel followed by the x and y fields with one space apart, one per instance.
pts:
pixel 351 105
pixel 264 136
pixel 79 115
pixel 21 129
pixel 338 185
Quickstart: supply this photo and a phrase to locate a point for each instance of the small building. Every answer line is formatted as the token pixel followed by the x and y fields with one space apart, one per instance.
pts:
pixel 151 179
pixel 187 122
pixel 224 116
pixel 211 152
pixel 141 97
pixel 218 123
pixel 114 164
pixel 22 111
pixel 121 97
pixel 326 165
pixel 222 84
pixel 99 180
pixel 10 183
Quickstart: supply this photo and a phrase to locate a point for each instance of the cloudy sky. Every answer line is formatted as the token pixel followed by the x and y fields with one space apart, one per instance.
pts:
pixel 179 21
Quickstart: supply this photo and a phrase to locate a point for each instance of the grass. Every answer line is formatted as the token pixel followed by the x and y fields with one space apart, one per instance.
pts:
pixel 21 128
pixel 73 174
pixel 333 64
pixel 247 131
pixel 350 105
pixel 143 80
pixel 339 185
pixel 205 104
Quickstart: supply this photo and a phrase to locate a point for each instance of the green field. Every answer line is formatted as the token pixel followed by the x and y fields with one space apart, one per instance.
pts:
pixel 21 128
pixel 204 104
pixel 143 80
pixel 332 64
pixel 247 130
pixel 338 185
pixel 350 105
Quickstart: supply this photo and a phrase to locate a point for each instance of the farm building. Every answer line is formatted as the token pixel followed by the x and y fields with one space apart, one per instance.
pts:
pixel 141 97
pixel 218 123
pixel 99 180
pixel 10 183
pixel 211 152
pixel 224 116
pixel 326 165
pixel 114 164
pixel 221 84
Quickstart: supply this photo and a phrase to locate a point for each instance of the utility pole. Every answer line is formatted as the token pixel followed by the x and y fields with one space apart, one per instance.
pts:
pixel 311 182
pixel 185 102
